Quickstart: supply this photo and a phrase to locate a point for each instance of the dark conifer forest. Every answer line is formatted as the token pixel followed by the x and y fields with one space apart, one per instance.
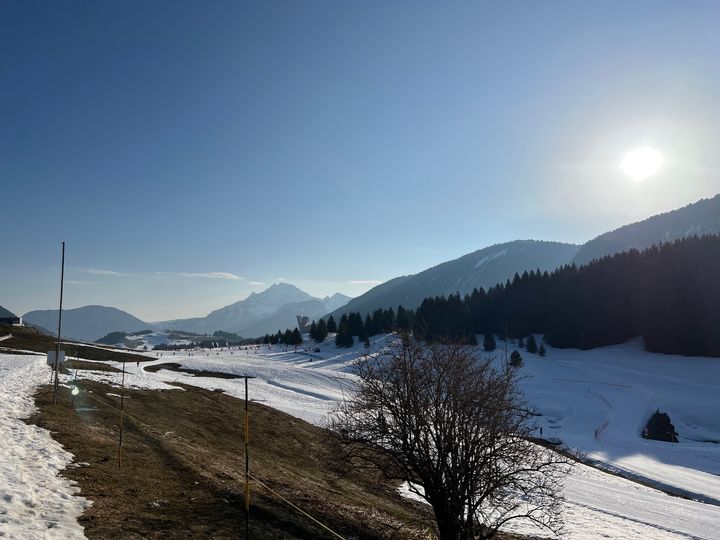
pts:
pixel 668 294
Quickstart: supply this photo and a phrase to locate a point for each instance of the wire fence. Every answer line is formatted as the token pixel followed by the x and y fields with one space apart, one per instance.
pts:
pixel 153 431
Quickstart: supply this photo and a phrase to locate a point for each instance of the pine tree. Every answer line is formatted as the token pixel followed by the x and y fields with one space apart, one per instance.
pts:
pixel 313 330
pixel 369 326
pixel 340 338
pixel 355 324
pixel 489 342
pixel 531 345
pixel 403 319
pixel 331 325
pixel 515 359
pixel 296 338
pixel 343 338
pixel 321 332
pixel 541 350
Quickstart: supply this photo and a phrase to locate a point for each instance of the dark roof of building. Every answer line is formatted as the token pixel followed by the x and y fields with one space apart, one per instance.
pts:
pixel 5 314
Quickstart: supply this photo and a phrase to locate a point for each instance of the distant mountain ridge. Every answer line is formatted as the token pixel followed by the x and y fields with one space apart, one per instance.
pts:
pixel 699 218
pixel 86 323
pixel 482 268
pixel 278 305
pixel 495 264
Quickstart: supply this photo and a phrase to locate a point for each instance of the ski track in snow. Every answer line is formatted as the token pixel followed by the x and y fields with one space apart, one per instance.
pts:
pixel 594 401
pixel 35 502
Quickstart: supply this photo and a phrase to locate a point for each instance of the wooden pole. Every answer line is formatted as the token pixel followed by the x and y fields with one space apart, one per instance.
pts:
pixel 57 349
pixel 122 407
pixel 247 465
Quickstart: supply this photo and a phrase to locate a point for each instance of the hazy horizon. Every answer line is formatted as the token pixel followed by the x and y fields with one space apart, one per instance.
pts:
pixel 191 153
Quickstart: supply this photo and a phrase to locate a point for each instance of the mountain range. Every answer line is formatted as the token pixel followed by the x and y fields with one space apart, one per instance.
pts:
pixel 483 268
pixel 279 304
pixel 276 307
pixel 495 264
pixel 256 315
pixel 699 218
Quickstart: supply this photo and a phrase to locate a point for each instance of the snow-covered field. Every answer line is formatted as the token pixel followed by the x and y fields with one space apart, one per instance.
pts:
pixel 34 501
pixel 594 401
pixel 599 401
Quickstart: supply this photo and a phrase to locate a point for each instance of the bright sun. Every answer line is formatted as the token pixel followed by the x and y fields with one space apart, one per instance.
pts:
pixel 642 163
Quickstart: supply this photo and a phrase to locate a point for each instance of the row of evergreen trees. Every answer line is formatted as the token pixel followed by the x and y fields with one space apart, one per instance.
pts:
pixel 669 295
pixel 382 321
pixel 289 337
pixel 352 325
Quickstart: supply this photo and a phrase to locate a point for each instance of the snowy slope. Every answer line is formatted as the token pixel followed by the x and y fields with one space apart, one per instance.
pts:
pixel 35 502
pixel 599 401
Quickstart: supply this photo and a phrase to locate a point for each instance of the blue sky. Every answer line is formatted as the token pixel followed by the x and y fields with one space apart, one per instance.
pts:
pixel 192 152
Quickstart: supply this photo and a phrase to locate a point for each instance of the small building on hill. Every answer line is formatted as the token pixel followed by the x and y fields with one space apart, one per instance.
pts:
pixel 303 323
pixel 7 317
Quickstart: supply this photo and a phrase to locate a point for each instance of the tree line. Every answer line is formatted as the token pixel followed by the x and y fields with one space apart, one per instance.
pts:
pixel 669 295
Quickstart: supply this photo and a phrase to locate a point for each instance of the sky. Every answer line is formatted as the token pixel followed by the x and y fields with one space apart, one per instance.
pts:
pixel 190 153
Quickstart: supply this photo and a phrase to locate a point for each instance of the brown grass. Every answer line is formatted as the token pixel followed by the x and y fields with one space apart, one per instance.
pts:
pixel 182 473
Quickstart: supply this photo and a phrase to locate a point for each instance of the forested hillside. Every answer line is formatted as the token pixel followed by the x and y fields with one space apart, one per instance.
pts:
pixel 669 295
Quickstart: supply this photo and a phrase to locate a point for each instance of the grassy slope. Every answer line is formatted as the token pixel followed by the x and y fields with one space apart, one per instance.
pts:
pixel 182 472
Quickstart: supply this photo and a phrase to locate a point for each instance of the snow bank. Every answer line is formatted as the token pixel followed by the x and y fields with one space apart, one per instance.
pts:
pixel 35 502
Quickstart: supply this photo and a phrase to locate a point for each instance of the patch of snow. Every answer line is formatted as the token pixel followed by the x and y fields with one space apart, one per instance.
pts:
pixel 492 256
pixel 35 501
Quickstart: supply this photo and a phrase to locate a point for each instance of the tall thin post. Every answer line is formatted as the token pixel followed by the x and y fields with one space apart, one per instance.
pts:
pixel 122 407
pixel 247 465
pixel 57 349
pixel 74 388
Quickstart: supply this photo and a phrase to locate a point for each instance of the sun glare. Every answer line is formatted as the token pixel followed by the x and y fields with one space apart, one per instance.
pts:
pixel 642 163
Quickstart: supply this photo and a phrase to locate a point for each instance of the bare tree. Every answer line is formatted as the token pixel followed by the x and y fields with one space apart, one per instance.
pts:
pixel 455 426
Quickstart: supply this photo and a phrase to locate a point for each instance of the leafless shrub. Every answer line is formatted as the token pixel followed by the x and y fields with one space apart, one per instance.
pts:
pixel 454 425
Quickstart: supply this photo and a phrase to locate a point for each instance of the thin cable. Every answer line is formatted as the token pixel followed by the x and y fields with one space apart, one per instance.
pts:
pixel 303 512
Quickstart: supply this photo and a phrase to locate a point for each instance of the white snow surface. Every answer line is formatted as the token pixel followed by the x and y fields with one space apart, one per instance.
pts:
pixel 35 502
pixel 599 401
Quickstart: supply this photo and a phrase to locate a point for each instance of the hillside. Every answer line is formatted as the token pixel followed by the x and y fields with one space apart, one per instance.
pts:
pixel 86 323
pixel 182 477
pixel 702 217
pixel 483 268
pixel 668 295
